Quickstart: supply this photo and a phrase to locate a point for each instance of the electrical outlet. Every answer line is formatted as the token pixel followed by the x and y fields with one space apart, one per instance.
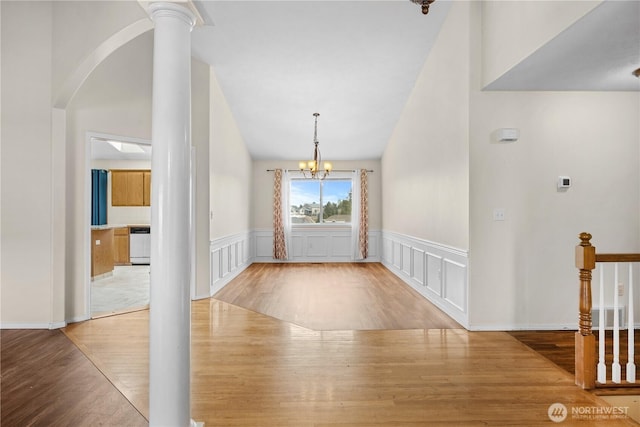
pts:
pixel 620 289
pixel 498 214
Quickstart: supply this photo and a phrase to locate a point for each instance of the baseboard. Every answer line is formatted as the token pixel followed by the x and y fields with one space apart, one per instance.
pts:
pixel 528 327
pixel 38 325
pixel 57 325
pixel 77 319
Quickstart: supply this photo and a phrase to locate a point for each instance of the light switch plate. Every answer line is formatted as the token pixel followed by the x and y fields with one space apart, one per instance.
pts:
pixel 498 214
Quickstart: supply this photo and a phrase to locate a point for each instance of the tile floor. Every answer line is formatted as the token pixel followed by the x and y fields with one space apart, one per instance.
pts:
pixel 126 290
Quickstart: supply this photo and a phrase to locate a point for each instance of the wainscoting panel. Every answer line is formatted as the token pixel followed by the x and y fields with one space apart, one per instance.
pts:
pixel 326 244
pixel 374 245
pixel 296 241
pixel 406 259
pixel 229 256
pixel 434 273
pixel 317 246
pixel 419 268
pixel 341 245
pixel 437 272
pixel 233 256
pixel 397 254
pixel 264 243
pixel 225 260
pixel 454 276
pixel 216 265
pixel 387 250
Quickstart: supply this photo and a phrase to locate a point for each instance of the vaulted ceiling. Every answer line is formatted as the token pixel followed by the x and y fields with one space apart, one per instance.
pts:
pixel 356 62
pixel 598 52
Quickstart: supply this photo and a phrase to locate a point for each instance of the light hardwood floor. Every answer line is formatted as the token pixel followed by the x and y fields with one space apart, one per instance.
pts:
pixel 250 369
pixel 334 296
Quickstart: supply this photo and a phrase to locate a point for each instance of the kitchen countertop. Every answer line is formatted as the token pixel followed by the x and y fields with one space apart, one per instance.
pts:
pixel 109 226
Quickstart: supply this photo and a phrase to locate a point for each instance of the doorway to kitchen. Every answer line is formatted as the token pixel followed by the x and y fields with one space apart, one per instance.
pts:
pixel 119 214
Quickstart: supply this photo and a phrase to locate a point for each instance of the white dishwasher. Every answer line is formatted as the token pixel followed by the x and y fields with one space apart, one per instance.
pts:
pixel 140 245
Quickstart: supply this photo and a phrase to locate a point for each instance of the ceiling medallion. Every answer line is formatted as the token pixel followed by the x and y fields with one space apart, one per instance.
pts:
pixel 425 5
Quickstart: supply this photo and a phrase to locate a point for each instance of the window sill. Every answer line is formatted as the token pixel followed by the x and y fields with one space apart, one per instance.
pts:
pixel 323 226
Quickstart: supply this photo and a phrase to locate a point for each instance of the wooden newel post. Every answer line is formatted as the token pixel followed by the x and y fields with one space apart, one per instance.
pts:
pixel 585 340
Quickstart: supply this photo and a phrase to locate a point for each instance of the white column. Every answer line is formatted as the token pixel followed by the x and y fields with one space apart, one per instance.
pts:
pixel 170 308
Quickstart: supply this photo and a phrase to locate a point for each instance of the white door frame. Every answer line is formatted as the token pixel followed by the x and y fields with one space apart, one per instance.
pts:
pixel 90 135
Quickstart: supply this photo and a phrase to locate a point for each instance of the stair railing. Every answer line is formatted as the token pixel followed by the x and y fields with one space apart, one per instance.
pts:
pixel 589 373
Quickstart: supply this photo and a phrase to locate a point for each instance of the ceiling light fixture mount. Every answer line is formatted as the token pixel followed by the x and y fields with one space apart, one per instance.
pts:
pixel 637 73
pixel 312 166
pixel 425 5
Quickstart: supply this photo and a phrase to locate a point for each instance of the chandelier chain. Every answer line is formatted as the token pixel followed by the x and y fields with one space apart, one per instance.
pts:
pixel 315 129
pixel 314 166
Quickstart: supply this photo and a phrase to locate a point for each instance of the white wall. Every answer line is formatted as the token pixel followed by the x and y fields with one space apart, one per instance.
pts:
pixel 114 100
pixel 26 167
pixel 43 236
pixel 42 44
pixel 522 272
pixel 229 181
pixel 425 165
pixel 513 30
pixel 425 170
pixel 200 130
pixel 80 27
pixel 230 170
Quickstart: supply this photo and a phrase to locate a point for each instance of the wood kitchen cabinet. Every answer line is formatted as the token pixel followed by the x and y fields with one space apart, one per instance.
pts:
pixel 130 187
pixel 101 251
pixel 121 246
pixel 146 188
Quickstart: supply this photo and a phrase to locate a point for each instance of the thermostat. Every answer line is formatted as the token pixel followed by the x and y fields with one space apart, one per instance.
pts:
pixel 564 182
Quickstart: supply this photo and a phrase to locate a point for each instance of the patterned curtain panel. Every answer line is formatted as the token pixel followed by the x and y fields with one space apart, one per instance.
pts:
pixel 279 241
pixel 363 240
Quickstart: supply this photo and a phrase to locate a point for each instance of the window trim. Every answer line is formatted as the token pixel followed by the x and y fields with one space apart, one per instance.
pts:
pixel 323 225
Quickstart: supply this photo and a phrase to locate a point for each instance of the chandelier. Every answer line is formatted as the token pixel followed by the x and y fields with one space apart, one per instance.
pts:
pixel 312 166
pixel 425 5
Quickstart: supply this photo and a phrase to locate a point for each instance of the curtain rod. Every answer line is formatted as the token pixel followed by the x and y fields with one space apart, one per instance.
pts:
pixel 332 170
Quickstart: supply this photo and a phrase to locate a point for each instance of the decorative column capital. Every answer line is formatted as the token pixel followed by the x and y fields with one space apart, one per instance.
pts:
pixel 162 9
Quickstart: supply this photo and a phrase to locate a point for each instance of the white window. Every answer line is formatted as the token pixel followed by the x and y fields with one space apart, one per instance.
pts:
pixel 320 201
